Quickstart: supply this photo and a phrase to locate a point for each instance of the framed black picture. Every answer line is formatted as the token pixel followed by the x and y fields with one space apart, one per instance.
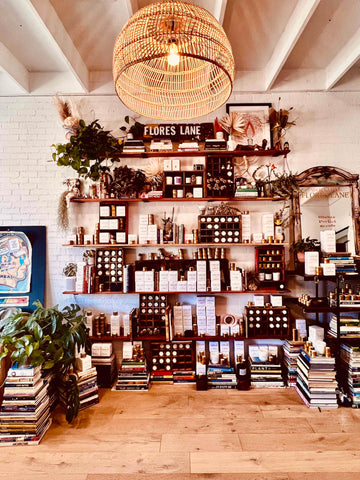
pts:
pixel 257 127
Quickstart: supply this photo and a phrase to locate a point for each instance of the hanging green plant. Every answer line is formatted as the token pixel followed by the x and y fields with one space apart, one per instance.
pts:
pixel 87 150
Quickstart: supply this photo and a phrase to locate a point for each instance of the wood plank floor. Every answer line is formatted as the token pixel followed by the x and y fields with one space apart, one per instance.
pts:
pixel 177 433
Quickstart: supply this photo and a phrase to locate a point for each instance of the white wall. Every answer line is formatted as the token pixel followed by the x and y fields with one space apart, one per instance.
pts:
pixel 326 133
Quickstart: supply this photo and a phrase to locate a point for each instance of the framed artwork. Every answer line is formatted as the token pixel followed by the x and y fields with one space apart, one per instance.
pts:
pixel 257 126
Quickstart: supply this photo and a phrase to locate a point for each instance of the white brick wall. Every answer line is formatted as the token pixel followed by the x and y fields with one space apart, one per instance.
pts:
pixel 327 133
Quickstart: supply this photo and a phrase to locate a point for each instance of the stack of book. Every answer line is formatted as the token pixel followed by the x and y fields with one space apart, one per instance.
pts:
pixel 349 327
pixel 221 377
pixel 316 383
pixel 162 376
pixel 291 350
pixel 349 372
pixel 164 145
pixel 188 146
pixel 183 376
pixel 265 367
pixel 88 389
pixel 134 146
pixel 215 144
pixel 133 374
pixel 344 261
pixel 25 411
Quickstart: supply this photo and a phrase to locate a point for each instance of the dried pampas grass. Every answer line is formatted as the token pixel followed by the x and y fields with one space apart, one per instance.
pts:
pixel 68 114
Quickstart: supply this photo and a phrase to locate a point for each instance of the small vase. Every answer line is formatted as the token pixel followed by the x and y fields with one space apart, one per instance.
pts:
pixel 231 144
pixel 70 284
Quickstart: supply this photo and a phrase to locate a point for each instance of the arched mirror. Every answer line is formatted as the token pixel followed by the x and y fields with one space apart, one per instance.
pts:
pixel 328 199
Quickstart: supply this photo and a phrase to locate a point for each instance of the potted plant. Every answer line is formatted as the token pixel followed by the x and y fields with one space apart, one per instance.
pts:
pixel 305 245
pixel 133 128
pixel 86 150
pixel 70 276
pixel 47 337
pixel 126 182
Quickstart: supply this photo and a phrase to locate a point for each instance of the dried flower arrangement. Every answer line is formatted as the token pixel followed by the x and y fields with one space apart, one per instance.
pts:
pixel 233 123
pixel 279 123
pixel 154 172
pixel 126 182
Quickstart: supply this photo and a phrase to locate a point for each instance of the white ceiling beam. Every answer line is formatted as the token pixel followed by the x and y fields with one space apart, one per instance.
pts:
pixel 58 35
pixel 219 10
pixel 343 61
pixel 294 28
pixel 15 69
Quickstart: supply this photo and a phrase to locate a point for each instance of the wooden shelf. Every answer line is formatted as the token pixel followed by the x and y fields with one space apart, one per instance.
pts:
pixel 204 153
pixel 110 338
pixel 174 245
pixel 222 292
pixel 202 199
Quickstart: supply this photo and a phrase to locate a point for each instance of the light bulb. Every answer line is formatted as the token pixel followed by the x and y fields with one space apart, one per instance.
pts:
pixel 173 57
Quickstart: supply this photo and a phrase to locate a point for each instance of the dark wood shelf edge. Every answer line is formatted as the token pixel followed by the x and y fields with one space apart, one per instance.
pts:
pixel 163 199
pixel 202 153
pixel 264 291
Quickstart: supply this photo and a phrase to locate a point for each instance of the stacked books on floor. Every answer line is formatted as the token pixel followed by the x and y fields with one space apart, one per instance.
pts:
pixel 221 376
pixel 316 383
pixel 349 372
pixel 25 411
pixel 133 146
pixel 88 389
pixel 265 367
pixel 349 327
pixel 291 350
pixel 133 374
pixel 104 360
pixel 184 376
pixel 344 261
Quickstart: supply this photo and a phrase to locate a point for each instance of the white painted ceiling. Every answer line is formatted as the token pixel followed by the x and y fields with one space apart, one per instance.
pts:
pixel 65 46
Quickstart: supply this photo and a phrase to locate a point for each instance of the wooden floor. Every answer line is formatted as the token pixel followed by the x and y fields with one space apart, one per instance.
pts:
pixel 178 433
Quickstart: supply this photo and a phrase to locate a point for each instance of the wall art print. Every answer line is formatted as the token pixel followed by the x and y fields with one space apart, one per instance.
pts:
pixel 15 262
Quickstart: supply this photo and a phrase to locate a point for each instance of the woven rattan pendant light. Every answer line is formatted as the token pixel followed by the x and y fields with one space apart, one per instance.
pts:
pixel 173 61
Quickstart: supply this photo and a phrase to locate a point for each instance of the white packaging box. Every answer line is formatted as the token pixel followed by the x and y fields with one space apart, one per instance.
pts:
pixel 187 317
pixel 239 349
pixel 329 269
pixel 235 280
pixel 115 324
pixel 268 225
pixel 104 237
pixel 328 241
pixel 104 211
pixel 257 237
pixel 224 329
pixel 127 350
pixel 245 227
pixel 198 192
pixel 191 281
pixel 167 165
pixel 276 300
pixel 214 265
pixel 152 233
pixel 133 238
pixel 311 262
pixel 178 320
pixel 200 368
pixel 176 164
pixel 173 279
pixel 120 210
pixel 126 324
pixel 113 223
pixel 201 311
pixel 316 333
pixel 163 281
pixel 215 281
pixel 201 325
pixel 104 224
pixel 143 233
pixel 80 276
pixel 225 349
pixel 235 329
pixel 120 237
pixel 82 364
pixel 214 352
pixel 149 281
pixel 182 286
pixel 201 301
pixel 139 281
pixel 143 219
pixel 101 349
pixel 259 300
pixel 210 302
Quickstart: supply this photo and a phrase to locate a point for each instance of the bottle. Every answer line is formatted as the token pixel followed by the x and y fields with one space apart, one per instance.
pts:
pixel 115 324
pixel 243 378
pixel 89 322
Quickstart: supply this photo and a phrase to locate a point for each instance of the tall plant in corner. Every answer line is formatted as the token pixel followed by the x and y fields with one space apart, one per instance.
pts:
pixel 48 337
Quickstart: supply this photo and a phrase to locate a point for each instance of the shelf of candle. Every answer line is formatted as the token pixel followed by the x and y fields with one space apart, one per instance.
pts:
pixel 191 199
pixel 174 245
